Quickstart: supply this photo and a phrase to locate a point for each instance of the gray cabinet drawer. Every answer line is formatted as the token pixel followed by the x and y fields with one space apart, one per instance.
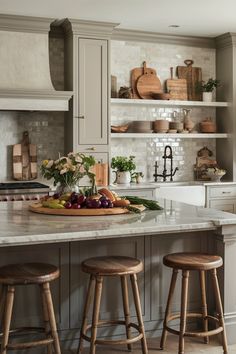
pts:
pixel 224 205
pixel 216 192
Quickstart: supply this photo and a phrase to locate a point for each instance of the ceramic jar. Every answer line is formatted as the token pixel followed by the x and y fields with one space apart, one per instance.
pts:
pixel 207 126
pixel 123 177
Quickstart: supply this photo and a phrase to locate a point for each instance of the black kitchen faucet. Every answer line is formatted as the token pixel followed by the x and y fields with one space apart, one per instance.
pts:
pixel 164 173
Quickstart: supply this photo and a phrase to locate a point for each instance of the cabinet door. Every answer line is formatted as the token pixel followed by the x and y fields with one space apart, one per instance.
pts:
pixel 91 125
pixel 228 205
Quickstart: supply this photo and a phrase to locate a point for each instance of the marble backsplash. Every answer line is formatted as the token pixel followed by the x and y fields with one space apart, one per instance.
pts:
pixel 128 55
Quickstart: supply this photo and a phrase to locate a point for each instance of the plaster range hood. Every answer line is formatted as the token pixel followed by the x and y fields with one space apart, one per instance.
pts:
pixel 25 80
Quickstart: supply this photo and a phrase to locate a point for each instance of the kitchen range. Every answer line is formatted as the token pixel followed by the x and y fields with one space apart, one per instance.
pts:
pixel 13 191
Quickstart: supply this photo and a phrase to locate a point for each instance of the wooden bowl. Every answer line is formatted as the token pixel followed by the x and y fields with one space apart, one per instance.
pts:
pixel 161 126
pixel 119 128
pixel 161 96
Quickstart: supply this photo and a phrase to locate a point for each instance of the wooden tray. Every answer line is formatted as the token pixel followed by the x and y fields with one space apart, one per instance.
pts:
pixel 38 208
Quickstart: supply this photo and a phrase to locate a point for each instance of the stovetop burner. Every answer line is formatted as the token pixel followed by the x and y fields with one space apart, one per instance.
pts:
pixel 22 185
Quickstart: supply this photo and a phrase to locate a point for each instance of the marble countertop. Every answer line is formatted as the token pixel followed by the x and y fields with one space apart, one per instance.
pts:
pixel 19 226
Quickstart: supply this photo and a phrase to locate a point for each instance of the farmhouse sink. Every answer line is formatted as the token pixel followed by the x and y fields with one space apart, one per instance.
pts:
pixel 185 192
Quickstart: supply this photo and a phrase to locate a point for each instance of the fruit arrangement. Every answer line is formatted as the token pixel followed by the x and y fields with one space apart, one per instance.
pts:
pixel 103 199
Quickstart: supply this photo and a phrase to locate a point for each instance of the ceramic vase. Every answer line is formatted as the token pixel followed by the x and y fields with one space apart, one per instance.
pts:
pixel 123 177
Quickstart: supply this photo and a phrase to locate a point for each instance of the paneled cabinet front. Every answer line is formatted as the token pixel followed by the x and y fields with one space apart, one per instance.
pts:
pixel 91 100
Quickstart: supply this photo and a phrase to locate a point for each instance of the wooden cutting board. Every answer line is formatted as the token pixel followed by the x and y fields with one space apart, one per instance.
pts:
pixel 38 208
pixel 148 84
pixel 24 160
pixel 135 75
pixel 177 88
pixel 101 172
pixel 193 75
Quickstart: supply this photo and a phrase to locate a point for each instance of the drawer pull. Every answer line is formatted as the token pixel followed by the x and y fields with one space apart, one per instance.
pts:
pixel 80 117
pixel 91 148
pixel 226 192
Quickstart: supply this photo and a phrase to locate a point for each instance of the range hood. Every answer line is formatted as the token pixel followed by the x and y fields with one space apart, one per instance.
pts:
pixel 25 80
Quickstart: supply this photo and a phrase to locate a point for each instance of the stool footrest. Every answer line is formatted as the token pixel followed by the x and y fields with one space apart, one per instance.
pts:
pixel 32 344
pixel 26 345
pixel 194 334
pixel 112 341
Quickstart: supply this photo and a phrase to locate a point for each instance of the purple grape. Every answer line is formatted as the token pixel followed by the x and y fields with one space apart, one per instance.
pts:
pixel 104 203
pixel 68 205
pixel 103 198
pixel 89 203
pixel 56 196
pixel 81 199
pixel 95 203
pixel 76 206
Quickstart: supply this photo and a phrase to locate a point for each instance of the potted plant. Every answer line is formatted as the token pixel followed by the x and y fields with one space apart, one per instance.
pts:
pixel 207 88
pixel 123 167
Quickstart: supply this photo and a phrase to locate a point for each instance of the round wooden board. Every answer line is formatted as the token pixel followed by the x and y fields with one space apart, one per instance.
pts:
pixel 38 208
pixel 148 84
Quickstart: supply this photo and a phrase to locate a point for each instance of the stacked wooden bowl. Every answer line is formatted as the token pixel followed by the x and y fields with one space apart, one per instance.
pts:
pixel 161 126
pixel 141 126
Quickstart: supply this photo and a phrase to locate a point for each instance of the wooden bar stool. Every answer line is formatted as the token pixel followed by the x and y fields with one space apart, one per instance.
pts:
pixel 202 263
pixel 25 274
pixel 98 268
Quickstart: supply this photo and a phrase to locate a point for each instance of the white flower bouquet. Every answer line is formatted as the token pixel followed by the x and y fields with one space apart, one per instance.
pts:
pixel 68 170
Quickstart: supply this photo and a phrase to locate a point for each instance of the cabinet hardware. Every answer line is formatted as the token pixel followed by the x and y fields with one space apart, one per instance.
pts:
pixel 80 117
pixel 226 192
pixel 91 148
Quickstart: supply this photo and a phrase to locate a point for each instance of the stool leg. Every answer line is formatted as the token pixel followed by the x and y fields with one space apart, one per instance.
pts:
pixel 96 309
pixel 7 318
pixel 85 314
pixel 2 303
pixel 46 320
pixel 133 278
pixel 219 309
pixel 51 315
pixel 125 296
pixel 168 307
pixel 183 312
pixel 204 303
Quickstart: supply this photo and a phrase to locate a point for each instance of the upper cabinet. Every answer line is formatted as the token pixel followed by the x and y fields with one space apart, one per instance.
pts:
pixel 92 96
pixel 87 74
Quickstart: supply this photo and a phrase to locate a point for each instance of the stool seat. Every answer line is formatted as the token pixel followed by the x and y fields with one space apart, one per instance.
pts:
pixel 28 273
pixel 192 261
pixel 112 265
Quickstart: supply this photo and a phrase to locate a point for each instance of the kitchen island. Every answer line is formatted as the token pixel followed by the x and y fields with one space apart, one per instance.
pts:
pixel 66 241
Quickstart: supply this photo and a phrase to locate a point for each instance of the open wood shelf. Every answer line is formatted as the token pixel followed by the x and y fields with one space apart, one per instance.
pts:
pixel 167 135
pixel 170 103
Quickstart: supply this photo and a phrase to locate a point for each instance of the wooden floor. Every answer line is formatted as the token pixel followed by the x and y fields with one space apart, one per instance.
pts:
pixel 192 346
